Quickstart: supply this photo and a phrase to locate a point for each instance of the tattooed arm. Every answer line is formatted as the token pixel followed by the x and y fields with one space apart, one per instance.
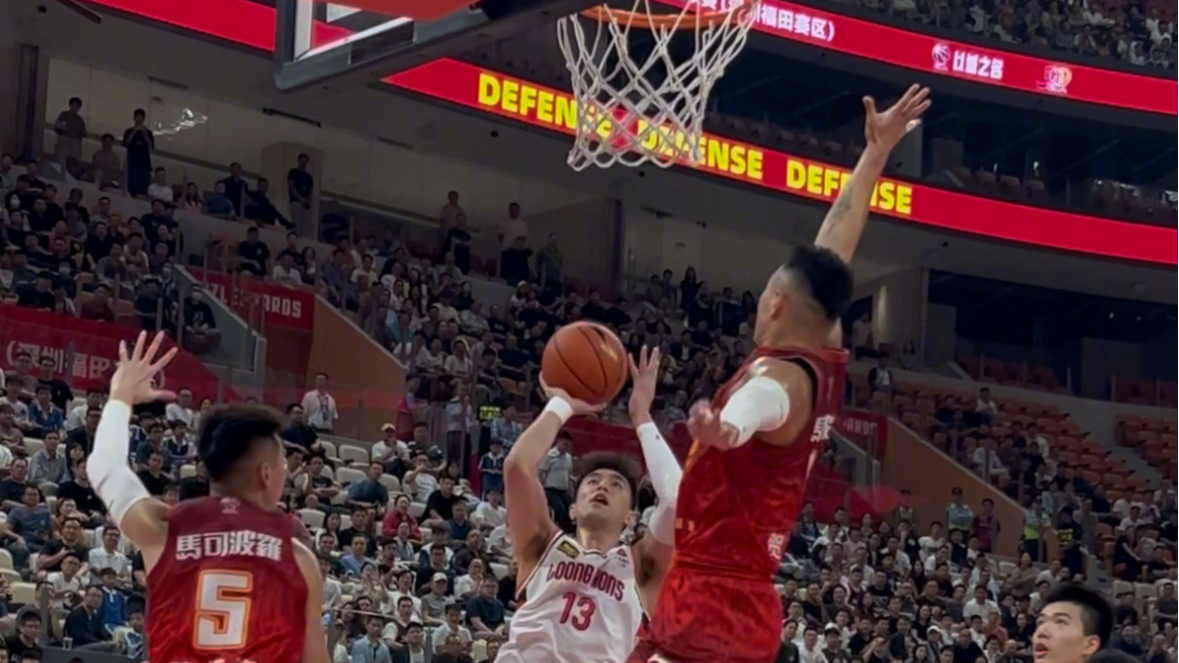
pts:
pixel 845 221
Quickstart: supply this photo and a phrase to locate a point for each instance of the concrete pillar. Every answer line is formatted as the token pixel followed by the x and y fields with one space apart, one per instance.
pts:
pixel 899 307
pixel 277 160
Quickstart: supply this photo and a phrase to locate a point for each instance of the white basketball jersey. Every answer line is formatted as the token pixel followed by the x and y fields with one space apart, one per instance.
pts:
pixel 580 606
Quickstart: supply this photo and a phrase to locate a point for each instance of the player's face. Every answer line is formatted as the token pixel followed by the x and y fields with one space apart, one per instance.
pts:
pixel 1060 635
pixel 603 498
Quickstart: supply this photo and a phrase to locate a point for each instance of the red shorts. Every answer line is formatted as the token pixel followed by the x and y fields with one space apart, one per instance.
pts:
pixel 703 618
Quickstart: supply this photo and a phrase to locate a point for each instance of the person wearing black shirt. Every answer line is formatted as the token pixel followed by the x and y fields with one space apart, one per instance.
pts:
pixel 59 392
pixel 253 253
pixel 12 489
pixel 440 503
pixel 300 184
pixel 25 640
pixel 82 493
pixel 153 477
pixel 139 142
pixel 485 612
pixel 880 590
pixel 787 650
pixel 965 649
pixel 40 296
pixel 260 209
pixel 84 623
pixel 53 552
pixel 514 261
pixel 235 187
pixel 360 527
pixel 196 485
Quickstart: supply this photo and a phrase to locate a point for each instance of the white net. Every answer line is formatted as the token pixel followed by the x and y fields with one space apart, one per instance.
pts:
pixel 639 100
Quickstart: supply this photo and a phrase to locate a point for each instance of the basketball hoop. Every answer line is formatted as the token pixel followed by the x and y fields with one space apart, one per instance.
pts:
pixel 649 108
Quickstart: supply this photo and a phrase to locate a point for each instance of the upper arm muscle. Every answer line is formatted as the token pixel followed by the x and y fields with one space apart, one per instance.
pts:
pixel 146 525
pixel 314 643
pixel 799 389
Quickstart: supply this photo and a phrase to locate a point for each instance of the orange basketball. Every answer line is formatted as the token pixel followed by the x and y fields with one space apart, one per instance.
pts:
pixel 587 361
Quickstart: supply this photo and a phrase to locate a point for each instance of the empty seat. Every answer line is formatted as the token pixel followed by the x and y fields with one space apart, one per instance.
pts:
pixel 353 454
pixel 312 518
pixel 346 475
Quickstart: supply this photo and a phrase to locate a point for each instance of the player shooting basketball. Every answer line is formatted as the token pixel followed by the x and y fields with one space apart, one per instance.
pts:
pixel 212 563
pixel 754 443
pixel 584 594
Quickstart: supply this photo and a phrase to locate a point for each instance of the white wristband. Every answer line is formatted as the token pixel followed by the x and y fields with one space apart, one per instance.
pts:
pixel 560 407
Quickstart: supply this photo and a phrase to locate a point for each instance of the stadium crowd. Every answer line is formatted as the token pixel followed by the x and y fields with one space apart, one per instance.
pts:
pixel 1137 33
pixel 413 546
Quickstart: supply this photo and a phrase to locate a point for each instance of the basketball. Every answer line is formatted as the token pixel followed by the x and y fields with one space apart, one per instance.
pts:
pixel 586 361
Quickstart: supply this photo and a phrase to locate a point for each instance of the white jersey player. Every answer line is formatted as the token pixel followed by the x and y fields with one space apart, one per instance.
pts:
pixel 584 594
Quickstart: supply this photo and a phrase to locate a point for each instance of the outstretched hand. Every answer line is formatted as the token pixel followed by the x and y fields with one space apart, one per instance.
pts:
pixel 132 382
pixel 706 427
pixel 885 129
pixel 580 407
pixel 644 376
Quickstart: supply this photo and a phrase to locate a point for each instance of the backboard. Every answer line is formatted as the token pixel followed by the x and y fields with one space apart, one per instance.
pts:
pixel 329 47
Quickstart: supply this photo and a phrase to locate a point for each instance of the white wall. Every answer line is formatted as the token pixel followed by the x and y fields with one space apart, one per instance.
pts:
pixel 198 126
pixel 722 256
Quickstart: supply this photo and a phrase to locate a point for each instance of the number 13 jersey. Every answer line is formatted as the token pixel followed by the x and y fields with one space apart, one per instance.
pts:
pixel 580 606
pixel 227 587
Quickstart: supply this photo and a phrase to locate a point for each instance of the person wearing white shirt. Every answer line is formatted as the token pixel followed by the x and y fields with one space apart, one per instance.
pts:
pixel 454 613
pixel 320 407
pixel 159 189
pixel 333 591
pixel 809 651
pixel 489 515
pixel 985 404
pixel 405 590
pixel 382 448
pixel 66 582
pixel 285 272
pixel 512 227
pixel 181 410
pixel 933 541
pixel 77 416
pixel 108 556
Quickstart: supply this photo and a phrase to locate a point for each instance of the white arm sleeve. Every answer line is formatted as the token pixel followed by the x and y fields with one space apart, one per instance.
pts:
pixel 665 478
pixel 761 404
pixel 109 472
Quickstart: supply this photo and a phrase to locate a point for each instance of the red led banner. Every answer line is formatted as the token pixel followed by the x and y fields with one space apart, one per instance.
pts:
pixel 922 52
pixel 247 23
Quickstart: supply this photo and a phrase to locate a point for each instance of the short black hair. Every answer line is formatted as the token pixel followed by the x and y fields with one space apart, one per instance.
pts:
pixel 1096 613
pixel 228 433
pixel 828 278
pixel 604 460
pixel 1111 656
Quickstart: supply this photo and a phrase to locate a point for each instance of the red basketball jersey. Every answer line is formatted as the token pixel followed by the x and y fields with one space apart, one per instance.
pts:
pixel 227 587
pixel 736 507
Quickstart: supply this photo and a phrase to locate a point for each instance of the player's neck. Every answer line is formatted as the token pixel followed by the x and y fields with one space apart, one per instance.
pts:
pixel 253 498
pixel 791 336
pixel 593 539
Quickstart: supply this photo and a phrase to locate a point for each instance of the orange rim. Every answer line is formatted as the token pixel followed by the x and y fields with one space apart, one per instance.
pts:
pixel 692 21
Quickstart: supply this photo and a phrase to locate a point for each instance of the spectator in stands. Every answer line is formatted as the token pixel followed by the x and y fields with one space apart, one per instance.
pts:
pixel 514 261
pixel 84 623
pixel 320 407
pixel 260 209
pixel 959 515
pixel 218 203
pixel 48 465
pixel 300 188
pixel 27 637
pixel 555 475
pixel 139 142
pixel 286 272
pixel 550 263
pixel 235 188
pixel 99 306
pixel 880 377
pixel 371 649
pixel 108 167
pixel 253 254
pixel 491 468
pixel 985 408
pixel 370 492
pixel 43 414
pixel 159 189
pixel 70 128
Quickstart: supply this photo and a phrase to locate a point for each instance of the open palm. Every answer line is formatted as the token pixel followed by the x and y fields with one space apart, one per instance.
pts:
pixel 886 129
pixel 132 381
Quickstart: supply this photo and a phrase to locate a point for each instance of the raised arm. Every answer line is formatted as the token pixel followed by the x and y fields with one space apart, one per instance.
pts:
pixel 528 510
pixel 314 641
pixel 844 224
pixel 654 550
pixel 141 517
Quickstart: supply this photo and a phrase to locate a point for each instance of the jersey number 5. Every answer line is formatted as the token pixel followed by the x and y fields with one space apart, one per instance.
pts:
pixel 223 609
pixel 579 611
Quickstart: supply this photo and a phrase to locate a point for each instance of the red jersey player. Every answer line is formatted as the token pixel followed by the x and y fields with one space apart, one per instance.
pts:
pixel 743 483
pixel 226 579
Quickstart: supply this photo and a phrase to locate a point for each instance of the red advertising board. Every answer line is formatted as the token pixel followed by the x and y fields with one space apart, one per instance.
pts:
pixel 989 66
pixel 283 306
pixel 252 24
pixel 867 430
pixel 86 351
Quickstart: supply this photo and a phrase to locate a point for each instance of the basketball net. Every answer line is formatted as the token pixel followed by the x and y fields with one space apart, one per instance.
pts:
pixel 648 109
